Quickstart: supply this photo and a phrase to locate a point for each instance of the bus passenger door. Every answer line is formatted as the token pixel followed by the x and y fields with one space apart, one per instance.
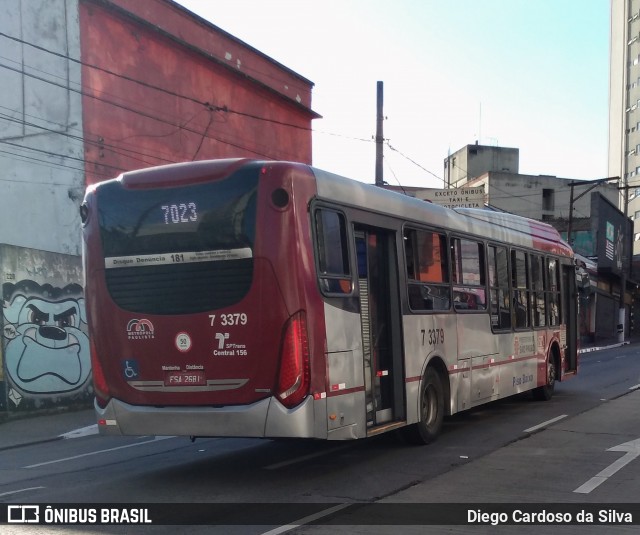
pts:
pixel 381 325
pixel 570 316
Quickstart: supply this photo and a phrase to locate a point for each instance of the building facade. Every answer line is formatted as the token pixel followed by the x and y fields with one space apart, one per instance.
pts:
pixel 89 89
pixel 541 197
pixel 473 160
pixel 624 106
pixel 92 88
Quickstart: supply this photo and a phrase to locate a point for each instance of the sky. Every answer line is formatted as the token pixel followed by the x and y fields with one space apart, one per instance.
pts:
pixel 512 73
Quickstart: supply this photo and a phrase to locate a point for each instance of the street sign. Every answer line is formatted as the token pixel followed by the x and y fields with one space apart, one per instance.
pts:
pixel 455 198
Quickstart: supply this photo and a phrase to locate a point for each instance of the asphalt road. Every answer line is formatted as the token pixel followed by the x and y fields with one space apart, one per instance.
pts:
pixel 513 451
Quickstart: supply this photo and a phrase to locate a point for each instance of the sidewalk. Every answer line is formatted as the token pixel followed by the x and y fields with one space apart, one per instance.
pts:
pixel 43 428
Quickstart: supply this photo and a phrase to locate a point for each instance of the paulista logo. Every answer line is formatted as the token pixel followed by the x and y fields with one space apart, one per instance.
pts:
pixel 140 329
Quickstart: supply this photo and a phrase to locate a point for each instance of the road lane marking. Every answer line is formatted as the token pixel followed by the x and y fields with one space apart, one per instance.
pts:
pixel 304 458
pixel 632 450
pixel 21 490
pixel 545 424
pixel 307 520
pixel 156 439
pixel 82 432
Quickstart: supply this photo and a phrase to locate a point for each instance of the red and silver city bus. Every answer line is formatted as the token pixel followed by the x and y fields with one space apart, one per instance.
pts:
pixel 271 299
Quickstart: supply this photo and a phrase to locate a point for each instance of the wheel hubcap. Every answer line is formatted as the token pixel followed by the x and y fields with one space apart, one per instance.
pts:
pixel 429 406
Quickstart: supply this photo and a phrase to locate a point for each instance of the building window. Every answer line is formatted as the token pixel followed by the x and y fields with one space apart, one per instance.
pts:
pixel 548 200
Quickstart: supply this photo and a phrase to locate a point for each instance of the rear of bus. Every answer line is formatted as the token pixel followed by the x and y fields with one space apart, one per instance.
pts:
pixel 200 292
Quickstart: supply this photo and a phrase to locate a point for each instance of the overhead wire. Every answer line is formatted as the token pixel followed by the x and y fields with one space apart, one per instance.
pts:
pixel 207 105
pixel 524 196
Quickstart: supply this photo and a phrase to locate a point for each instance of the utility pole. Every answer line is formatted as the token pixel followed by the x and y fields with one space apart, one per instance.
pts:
pixel 379 136
pixel 622 312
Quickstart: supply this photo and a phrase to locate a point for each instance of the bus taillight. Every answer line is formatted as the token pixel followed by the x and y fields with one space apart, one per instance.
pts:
pixel 293 379
pixel 99 381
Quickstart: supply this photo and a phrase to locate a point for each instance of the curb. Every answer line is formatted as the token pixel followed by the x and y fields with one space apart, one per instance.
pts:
pixel 30 443
pixel 600 348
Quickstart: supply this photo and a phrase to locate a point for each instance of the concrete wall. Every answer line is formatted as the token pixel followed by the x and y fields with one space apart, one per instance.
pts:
pixel 44 350
pixel 523 195
pixel 41 138
pixel 472 161
pixel 162 86
pixel 617 87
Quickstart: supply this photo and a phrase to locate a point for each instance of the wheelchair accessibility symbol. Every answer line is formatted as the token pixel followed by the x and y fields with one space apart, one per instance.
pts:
pixel 130 369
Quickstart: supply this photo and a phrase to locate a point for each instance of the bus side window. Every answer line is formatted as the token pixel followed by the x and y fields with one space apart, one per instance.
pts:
pixel 467 262
pixel 552 290
pixel 520 282
pixel 427 273
pixel 333 253
pixel 537 291
pixel 499 288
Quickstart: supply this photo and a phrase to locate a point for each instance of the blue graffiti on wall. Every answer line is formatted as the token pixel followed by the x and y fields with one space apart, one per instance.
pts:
pixel 46 348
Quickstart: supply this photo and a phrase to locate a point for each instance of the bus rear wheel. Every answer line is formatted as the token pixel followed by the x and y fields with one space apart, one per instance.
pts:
pixel 431 410
pixel 545 393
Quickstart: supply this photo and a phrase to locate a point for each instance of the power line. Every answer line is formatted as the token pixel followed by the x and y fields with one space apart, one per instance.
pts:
pixel 210 107
pixel 207 105
pixel 130 109
pixel 414 162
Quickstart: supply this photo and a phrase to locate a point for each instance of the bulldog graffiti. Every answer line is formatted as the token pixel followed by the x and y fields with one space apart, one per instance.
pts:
pixel 46 351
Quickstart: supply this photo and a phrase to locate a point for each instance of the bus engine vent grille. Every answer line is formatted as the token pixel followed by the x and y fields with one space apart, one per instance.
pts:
pixel 180 288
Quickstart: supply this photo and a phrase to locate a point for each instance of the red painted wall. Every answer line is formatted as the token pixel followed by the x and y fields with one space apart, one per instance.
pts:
pixel 161 85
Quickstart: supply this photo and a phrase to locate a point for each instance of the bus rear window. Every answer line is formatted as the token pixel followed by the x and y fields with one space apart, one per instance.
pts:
pixel 210 221
pixel 183 249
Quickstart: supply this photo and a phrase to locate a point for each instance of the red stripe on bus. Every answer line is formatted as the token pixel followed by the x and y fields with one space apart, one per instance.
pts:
pixel 345 391
pixel 510 360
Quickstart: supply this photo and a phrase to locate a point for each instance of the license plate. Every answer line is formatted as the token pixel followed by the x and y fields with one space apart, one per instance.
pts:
pixel 191 378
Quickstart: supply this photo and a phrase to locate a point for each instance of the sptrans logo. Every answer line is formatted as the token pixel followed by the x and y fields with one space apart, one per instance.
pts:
pixel 140 329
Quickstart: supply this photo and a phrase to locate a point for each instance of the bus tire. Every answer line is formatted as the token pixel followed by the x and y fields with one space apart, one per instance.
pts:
pixel 431 410
pixel 545 393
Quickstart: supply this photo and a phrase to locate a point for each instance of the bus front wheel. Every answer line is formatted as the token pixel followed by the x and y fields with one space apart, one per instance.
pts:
pixel 431 410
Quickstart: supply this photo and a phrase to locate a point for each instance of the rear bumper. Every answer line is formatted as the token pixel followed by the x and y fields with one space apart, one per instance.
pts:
pixel 264 419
